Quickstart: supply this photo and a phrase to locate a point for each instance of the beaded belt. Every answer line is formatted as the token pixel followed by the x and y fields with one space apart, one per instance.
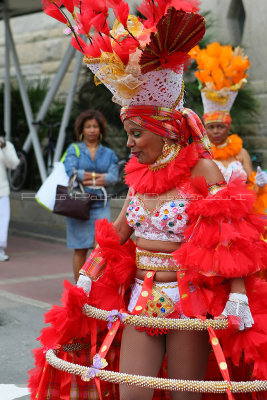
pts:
pixel 153 261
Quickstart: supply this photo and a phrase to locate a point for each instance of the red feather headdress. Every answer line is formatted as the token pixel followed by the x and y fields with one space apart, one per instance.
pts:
pixel 137 52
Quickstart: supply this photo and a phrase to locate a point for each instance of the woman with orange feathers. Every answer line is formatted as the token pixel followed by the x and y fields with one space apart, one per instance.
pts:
pixel 222 71
pixel 197 246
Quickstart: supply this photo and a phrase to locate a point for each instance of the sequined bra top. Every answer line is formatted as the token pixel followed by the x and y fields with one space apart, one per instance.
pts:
pixel 166 222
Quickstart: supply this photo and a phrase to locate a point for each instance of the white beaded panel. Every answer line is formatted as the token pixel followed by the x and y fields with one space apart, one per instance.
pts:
pixel 212 106
pixel 160 88
pixel 166 223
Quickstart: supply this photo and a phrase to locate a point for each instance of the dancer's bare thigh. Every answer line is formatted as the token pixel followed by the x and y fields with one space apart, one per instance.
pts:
pixel 187 353
pixel 140 354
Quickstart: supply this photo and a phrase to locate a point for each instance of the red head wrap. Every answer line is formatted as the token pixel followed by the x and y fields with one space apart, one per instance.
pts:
pixel 170 123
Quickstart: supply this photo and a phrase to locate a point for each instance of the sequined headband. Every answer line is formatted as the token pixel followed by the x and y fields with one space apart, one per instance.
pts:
pixel 217 116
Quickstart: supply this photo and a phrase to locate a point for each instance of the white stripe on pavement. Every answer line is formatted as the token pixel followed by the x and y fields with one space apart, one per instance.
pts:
pixel 35 278
pixel 12 392
pixel 24 300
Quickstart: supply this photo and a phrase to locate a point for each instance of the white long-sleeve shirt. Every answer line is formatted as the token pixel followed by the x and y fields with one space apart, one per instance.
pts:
pixel 8 159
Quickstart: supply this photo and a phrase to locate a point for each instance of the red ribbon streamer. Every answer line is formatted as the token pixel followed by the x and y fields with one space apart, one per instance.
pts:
pixel 220 358
pixel 145 293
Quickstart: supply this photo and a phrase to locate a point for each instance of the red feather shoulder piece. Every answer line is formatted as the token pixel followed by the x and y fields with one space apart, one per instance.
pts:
pixel 177 33
pixel 223 236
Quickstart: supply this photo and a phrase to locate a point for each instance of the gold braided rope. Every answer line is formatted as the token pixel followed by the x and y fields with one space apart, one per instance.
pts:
pixel 160 323
pixel 156 383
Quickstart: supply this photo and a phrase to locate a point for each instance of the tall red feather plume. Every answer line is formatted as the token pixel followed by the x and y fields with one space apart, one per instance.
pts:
pixel 84 22
pixel 100 23
pixel 124 46
pixel 89 50
pixel 123 13
pixel 69 4
pixel 177 33
pixel 103 42
pixel 153 10
pixel 120 9
pixel 185 5
pixel 54 12
pixel 47 3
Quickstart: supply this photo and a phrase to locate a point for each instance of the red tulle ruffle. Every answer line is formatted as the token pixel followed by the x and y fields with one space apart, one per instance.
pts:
pixel 143 180
pixel 106 292
pixel 224 236
pixel 66 323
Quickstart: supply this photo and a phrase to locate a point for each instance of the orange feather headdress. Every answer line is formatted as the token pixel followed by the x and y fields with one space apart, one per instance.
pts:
pixel 222 71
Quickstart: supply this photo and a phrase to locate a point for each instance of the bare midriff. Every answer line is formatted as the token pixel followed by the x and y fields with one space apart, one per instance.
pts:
pixel 150 203
pixel 160 247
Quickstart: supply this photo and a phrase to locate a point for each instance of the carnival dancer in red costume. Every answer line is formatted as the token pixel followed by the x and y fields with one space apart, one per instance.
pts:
pixel 197 240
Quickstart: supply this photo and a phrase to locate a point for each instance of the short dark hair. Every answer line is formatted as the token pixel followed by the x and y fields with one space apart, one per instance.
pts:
pixel 87 115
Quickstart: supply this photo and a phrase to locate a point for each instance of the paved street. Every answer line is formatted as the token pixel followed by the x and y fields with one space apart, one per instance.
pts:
pixel 29 283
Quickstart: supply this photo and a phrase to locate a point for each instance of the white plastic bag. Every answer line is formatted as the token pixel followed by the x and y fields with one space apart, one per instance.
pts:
pixel 46 195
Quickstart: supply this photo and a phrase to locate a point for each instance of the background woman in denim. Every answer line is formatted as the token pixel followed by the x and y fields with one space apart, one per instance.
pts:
pixel 97 168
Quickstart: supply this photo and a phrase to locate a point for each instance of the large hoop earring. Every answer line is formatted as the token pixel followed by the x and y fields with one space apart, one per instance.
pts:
pixel 100 137
pixel 81 137
pixel 166 149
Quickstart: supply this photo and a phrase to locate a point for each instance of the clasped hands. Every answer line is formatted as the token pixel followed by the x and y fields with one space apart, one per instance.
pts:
pixel 237 306
pixel 93 179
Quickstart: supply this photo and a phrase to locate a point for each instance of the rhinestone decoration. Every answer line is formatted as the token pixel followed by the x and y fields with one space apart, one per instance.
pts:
pixel 153 224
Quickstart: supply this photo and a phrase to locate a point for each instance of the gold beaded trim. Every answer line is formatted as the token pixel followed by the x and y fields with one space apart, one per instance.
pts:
pixel 180 96
pixel 172 285
pixel 188 324
pixel 213 189
pixel 157 383
pixel 155 267
pixel 91 60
